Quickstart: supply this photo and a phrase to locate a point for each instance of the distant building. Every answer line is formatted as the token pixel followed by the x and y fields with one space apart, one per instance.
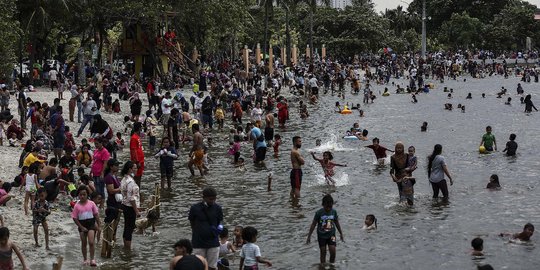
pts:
pixel 338 4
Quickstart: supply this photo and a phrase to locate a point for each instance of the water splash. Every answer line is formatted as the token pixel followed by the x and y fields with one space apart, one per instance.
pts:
pixel 331 145
pixel 341 179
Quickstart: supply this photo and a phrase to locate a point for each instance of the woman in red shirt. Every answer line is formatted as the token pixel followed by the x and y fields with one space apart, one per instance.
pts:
pixel 136 151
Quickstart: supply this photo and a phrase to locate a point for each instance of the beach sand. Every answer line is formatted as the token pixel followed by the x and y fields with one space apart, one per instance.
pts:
pixel 61 227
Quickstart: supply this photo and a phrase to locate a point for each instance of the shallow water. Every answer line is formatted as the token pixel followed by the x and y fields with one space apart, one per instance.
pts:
pixel 428 236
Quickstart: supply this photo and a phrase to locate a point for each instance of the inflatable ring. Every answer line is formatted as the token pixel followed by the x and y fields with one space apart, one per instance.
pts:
pixel 346 112
pixel 385 94
pixel 350 138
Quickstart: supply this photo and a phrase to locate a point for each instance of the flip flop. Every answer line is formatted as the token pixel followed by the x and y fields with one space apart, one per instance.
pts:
pixel 93 263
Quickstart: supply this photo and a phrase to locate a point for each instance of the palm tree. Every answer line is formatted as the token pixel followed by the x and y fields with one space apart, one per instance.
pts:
pixel 312 9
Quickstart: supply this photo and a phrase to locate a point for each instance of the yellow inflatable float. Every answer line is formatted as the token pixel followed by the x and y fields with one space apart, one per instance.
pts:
pixel 346 110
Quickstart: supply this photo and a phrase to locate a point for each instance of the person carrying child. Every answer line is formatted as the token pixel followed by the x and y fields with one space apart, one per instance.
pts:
pixel 326 220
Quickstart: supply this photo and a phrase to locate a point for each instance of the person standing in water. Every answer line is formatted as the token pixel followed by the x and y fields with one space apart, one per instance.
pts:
pixel 529 104
pixel 379 151
pixel 269 127
pixel 488 140
pixel 436 171
pixel 296 173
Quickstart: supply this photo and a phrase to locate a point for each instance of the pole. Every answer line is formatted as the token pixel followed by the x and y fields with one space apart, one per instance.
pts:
pixel 424 29
pixel 288 51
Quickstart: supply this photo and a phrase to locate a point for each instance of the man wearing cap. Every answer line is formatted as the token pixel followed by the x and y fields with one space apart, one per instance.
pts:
pixel 206 218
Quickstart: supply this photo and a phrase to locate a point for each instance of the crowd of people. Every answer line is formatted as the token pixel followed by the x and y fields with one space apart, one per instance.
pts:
pixel 93 177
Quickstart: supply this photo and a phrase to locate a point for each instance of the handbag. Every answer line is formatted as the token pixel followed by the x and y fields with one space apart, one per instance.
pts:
pixel 118 197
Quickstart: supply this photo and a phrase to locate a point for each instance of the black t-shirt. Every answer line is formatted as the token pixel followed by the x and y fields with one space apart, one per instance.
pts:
pixel 189 262
pixel 205 221
pixel 511 147
pixel 67 162
pixel 52 187
pixel 172 125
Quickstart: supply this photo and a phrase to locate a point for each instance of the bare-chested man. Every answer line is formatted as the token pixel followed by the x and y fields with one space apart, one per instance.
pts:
pixel 49 170
pixel 269 127
pixel 196 154
pixel 296 173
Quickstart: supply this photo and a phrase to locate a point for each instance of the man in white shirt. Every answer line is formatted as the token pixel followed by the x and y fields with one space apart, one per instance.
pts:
pixel 53 79
pixel 166 107
pixel 314 84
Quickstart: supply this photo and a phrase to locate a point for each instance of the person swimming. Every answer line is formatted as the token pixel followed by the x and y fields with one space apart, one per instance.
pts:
pixel 423 128
pixel 525 235
pixel 370 223
pixel 493 182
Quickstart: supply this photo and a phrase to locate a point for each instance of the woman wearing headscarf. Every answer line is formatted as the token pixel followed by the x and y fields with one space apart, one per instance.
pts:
pixel 398 164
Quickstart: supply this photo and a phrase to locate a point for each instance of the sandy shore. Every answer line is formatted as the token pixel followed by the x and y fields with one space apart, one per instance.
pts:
pixel 61 227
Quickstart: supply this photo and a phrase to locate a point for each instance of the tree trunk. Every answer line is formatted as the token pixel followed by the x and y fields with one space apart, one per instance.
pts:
pixel 265 48
pixel 102 35
pixel 311 36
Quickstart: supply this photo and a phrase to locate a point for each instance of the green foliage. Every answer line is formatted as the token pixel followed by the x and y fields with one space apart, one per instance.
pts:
pixel 59 27
pixel 462 30
pixel 9 28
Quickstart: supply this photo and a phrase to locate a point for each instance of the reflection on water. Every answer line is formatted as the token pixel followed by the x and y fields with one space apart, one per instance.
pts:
pixel 431 235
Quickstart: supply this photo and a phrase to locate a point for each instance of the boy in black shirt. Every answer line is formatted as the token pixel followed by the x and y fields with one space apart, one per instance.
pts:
pixel 511 146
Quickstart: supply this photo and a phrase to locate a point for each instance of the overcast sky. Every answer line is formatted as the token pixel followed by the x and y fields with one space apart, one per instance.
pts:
pixel 381 5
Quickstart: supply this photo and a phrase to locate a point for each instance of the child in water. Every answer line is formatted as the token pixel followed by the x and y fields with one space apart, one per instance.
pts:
pixel 328 166
pixel 511 146
pixel 488 140
pixel 379 151
pixel 226 247
pixel 478 247
pixel 525 235
pixel 234 150
pixel 493 182
pixel 326 220
pixel 238 241
pixel 250 255
pixel 423 128
pixel 6 249
pixel 370 223
pixel 277 143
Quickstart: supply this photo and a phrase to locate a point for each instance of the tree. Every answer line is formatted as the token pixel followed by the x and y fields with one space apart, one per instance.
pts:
pixel 462 30
pixel 9 29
